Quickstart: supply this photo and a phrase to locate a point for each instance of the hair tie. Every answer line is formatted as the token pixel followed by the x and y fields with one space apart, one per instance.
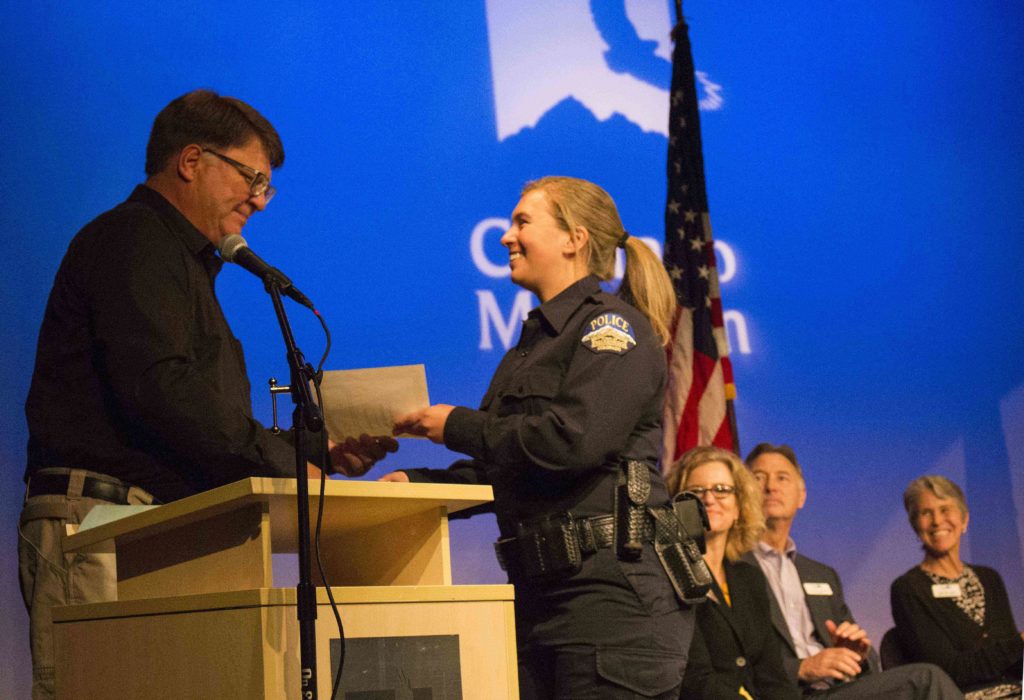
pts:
pixel 622 241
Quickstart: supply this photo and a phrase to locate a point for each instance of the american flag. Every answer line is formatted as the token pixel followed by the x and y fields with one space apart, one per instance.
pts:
pixel 698 399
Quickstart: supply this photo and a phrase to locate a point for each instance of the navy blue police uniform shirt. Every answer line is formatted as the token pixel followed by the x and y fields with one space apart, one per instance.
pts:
pixel 581 391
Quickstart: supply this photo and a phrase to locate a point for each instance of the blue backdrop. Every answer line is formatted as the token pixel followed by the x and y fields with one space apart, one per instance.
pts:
pixel 864 166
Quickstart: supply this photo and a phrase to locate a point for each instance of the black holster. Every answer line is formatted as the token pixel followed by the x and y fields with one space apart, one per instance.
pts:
pixel 679 532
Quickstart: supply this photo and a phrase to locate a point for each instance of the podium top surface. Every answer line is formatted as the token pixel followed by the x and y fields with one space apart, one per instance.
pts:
pixel 349 505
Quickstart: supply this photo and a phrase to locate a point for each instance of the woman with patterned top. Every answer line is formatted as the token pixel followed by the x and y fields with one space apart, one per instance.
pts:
pixel 950 613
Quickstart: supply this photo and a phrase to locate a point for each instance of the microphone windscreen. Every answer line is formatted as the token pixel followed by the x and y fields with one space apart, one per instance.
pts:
pixel 230 246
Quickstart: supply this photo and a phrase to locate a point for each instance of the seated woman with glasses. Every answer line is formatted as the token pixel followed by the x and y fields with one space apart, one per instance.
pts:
pixel 734 653
pixel 949 613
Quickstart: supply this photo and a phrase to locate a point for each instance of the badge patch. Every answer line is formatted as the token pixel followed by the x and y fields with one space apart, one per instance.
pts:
pixel 609 333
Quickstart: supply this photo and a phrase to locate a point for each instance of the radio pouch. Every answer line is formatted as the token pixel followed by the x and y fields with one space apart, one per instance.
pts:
pixel 630 510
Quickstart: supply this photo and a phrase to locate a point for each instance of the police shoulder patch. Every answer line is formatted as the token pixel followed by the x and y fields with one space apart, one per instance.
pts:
pixel 609 332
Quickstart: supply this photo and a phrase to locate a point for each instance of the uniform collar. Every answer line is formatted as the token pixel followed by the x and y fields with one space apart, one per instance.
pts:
pixel 557 311
pixel 193 240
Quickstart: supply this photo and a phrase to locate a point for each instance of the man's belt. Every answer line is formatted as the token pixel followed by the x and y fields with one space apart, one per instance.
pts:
pixel 57 485
pixel 554 546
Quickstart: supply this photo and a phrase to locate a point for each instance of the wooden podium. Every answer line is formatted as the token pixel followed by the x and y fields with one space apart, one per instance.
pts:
pixel 198 616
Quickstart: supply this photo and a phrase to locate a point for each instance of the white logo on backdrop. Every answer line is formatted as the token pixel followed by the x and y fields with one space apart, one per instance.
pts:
pixel 612 56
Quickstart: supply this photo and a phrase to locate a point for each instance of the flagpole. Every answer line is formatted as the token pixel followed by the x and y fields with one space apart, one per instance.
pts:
pixel 698 399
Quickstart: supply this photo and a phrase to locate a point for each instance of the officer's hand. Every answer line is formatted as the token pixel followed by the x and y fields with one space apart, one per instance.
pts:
pixel 837 663
pixel 427 422
pixel 355 457
pixel 396 477
pixel 849 635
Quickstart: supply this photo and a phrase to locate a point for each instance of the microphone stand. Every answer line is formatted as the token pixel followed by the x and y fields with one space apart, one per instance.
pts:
pixel 306 417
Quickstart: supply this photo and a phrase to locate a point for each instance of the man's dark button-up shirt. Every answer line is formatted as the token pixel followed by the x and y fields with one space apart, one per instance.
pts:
pixel 137 373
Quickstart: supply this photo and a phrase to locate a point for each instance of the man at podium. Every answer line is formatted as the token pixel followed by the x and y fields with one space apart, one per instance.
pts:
pixel 139 393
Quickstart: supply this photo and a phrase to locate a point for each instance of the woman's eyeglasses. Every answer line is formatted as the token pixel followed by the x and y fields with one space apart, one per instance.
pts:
pixel 719 491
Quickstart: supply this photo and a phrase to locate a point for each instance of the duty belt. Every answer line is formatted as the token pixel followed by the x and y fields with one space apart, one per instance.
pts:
pixel 57 485
pixel 538 548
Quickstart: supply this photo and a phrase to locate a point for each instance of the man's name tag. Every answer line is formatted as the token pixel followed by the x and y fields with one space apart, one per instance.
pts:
pixel 945 590
pixel 817 589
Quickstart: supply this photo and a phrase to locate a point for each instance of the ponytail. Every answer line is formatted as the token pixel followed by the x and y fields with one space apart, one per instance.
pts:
pixel 647 286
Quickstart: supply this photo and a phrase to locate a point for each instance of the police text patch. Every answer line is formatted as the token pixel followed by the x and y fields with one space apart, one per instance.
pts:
pixel 609 333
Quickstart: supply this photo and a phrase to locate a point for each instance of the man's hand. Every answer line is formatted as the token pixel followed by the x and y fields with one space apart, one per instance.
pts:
pixel 850 636
pixel 355 457
pixel 396 477
pixel 427 422
pixel 836 663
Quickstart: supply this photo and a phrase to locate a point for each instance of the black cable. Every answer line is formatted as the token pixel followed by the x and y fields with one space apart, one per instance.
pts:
pixel 327 351
pixel 325 459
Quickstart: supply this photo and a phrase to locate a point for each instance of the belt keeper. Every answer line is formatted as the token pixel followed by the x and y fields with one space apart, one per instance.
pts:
pixel 585 529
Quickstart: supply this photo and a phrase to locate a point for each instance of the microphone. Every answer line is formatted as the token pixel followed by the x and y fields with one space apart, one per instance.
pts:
pixel 234 249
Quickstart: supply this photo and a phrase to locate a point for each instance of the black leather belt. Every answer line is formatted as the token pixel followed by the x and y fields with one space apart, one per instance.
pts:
pixel 57 485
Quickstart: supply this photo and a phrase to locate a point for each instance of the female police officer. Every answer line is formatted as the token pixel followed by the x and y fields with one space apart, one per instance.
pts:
pixel 579 394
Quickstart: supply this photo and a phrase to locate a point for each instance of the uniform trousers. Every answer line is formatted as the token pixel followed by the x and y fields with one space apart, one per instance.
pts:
pixel 50 578
pixel 613 631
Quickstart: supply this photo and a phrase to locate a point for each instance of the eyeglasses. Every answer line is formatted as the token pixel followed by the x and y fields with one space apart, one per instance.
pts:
pixel 719 491
pixel 258 182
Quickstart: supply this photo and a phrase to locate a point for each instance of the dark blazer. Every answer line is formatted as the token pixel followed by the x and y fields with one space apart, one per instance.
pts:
pixel 936 630
pixel 823 607
pixel 734 645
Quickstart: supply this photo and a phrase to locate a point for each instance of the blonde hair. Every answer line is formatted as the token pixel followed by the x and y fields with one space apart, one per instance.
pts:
pixel 646 284
pixel 749 525
pixel 940 486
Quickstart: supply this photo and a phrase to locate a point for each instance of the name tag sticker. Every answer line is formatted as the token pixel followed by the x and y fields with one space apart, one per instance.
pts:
pixel 817 589
pixel 945 590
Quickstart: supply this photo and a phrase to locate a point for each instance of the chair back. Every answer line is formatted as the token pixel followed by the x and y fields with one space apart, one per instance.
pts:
pixel 889 650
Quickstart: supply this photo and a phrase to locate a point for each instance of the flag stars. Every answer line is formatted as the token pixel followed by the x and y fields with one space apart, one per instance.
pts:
pixel 682 233
pixel 673 206
pixel 704 271
pixel 682 122
pixel 690 215
pixel 678 166
pixel 675 272
pixel 677 97
pixel 696 244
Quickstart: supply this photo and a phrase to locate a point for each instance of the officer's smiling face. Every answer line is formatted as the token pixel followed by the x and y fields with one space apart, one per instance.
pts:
pixel 537 246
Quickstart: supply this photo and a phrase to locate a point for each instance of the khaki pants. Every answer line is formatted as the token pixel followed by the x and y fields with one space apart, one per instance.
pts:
pixel 51 578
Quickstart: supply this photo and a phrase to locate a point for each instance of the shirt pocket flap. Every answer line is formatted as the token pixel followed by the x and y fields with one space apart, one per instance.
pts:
pixel 537 383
